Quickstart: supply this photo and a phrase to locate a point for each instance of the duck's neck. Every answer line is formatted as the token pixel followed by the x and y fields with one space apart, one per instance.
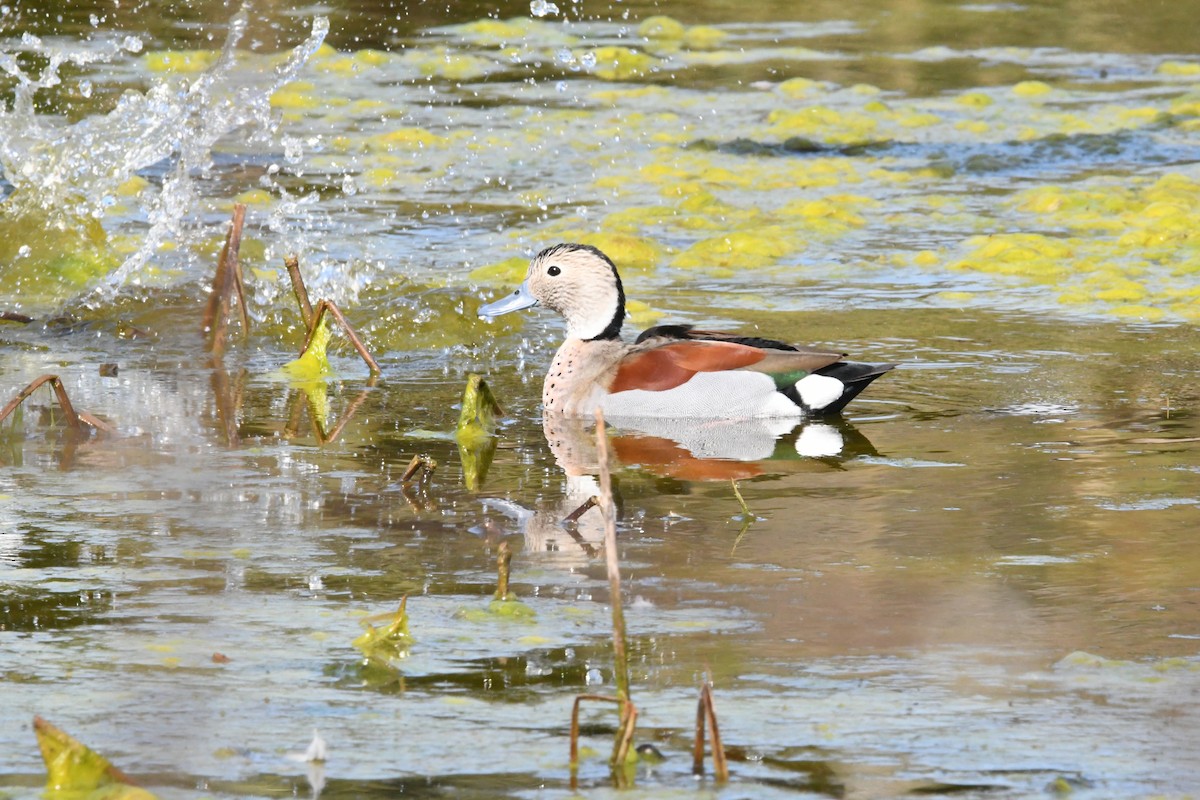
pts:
pixel 579 375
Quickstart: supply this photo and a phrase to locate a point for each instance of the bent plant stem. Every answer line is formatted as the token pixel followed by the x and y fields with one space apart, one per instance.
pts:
pixel 75 419
pixel 329 306
pixel 706 713
pixel 620 655
pixel 228 276
pixel 419 463
pixel 579 698
pixel 745 508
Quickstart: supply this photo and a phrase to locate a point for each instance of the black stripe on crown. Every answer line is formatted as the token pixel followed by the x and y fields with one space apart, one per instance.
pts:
pixel 613 330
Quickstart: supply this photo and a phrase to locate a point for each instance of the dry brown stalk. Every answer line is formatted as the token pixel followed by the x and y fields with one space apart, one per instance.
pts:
pixel 620 653
pixel 503 560
pixel 331 307
pixel 706 713
pixel 227 276
pixel 306 310
pixel 579 698
pixel 609 509
pixel 417 464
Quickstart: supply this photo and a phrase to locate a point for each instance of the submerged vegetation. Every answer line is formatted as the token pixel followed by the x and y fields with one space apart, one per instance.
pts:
pixel 962 590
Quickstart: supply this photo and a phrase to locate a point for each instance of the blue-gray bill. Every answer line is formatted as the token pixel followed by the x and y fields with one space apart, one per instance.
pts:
pixel 521 298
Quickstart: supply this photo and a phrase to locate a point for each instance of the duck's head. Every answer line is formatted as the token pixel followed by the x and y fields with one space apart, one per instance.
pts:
pixel 579 282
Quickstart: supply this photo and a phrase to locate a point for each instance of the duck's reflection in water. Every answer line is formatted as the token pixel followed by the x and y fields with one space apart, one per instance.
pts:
pixel 684 450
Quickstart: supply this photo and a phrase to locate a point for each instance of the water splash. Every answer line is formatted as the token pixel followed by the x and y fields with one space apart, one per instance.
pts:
pixel 65 177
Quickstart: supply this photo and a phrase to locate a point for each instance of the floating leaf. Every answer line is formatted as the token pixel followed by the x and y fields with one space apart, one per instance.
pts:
pixel 312 365
pixel 479 411
pixel 388 643
pixel 75 770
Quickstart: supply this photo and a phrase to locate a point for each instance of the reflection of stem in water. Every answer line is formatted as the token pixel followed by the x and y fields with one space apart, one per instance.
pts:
pixel 229 402
pixel 588 504
pixel 747 517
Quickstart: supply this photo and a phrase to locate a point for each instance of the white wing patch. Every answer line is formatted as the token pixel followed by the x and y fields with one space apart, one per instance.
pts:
pixel 818 391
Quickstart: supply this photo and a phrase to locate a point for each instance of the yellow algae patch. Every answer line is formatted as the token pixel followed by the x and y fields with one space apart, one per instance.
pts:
pixel 627 252
pixel 255 197
pixel 133 187
pixel 443 62
pixel 704 37
pixel 972 126
pixel 405 139
pixel 621 63
pixel 1184 68
pixel 617 96
pixel 974 100
pixel 840 207
pixel 823 123
pixel 641 314
pixel 1149 313
pixel 1028 255
pixel 742 249
pixel 632 219
pixel 494 31
pixel 800 87
pixel 506 272
pixel 926 258
pixel 511 32
pixel 661 27
pixel 1032 89
pixel 1121 290
pixel 297 98
pixel 907 118
pixel 180 61
pixel 956 297
pixel 373 58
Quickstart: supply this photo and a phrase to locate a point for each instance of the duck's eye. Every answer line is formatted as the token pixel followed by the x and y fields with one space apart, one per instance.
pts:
pixel 553 270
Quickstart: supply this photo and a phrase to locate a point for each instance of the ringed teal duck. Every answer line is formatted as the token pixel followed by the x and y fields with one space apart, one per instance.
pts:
pixel 671 370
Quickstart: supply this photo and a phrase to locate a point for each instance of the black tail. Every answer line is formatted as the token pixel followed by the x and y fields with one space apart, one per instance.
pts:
pixel 856 376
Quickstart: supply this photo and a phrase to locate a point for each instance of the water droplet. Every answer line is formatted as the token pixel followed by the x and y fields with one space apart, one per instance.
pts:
pixel 94 20
pixel 541 8
pixel 594 677
pixel 131 44
pixel 293 150
pixel 563 56
pixel 561 86
pixel 349 187
pixel 85 88
pixel 588 60
pixel 24 250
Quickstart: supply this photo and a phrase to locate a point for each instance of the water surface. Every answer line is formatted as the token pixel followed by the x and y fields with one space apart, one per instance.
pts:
pixel 988 589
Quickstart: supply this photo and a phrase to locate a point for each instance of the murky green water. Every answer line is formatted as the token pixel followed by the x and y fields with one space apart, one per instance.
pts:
pixel 990 590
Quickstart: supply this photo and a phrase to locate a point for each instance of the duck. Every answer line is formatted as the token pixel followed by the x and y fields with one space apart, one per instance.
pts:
pixel 671 370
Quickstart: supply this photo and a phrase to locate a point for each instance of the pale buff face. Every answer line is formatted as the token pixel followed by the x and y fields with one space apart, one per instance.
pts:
pixel 579 284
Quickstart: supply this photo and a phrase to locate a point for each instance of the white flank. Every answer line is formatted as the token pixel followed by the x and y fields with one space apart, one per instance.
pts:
pixel 818 391
pixel 736 394
pixel 818 440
